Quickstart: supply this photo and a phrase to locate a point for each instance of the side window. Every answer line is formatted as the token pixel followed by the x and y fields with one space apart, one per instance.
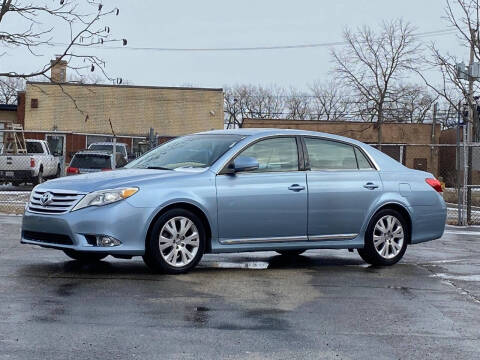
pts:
pixel 330 155
pixel 277 154
pixel 362 161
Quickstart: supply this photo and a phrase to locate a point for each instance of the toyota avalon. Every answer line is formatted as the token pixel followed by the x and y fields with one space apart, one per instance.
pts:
pixel 236 191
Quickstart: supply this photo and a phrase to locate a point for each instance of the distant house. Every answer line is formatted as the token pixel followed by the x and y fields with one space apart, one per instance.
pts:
pixel 8 114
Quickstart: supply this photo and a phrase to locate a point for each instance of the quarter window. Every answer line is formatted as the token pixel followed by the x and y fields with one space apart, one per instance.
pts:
pixel 362 161
pixel 333 155
pixel 277 154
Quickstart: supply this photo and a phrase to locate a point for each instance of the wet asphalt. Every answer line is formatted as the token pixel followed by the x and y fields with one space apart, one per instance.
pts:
pixel 327 304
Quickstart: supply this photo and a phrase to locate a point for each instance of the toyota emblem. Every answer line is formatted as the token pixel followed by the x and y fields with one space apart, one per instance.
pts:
pixel 46 198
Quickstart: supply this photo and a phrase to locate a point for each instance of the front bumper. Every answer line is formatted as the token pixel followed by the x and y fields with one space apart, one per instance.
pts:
pixel 71 230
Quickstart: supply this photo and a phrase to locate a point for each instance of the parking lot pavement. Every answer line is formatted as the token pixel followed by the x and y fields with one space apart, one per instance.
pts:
pixel 326 304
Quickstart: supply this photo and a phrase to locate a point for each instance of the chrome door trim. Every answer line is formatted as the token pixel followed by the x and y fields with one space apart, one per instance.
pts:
pixel 264 240
pixel 332 237
pixel 289 239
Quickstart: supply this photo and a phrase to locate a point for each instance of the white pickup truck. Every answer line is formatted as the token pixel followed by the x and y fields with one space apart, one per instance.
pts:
pixel 34 167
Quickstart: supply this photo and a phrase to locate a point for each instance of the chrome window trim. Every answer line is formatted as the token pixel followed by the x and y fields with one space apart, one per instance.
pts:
pixel 370 157
pixel 288 239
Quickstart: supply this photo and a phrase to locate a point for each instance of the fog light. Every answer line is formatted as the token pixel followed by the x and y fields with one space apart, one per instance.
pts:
pixel 107 241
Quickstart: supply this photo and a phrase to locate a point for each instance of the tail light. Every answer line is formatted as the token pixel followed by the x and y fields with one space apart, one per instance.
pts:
pixel 73 170
pixel 32 162
pixel 434 183
pixel 106 169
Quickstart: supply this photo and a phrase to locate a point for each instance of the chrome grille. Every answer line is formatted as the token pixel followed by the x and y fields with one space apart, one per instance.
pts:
pixel 62 201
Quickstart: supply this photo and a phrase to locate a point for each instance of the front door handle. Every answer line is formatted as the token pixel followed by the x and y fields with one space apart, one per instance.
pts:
pixel 370 186
pixel 296 187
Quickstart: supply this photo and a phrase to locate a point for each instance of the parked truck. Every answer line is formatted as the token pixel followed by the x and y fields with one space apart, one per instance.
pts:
pixel 31 166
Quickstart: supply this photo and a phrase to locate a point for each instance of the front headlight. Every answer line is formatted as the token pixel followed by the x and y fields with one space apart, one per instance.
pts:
pixel 104 197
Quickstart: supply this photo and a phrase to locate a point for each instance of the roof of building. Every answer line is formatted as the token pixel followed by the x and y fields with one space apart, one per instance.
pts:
pixel 8 107
pixel 127 86
pixel 298 121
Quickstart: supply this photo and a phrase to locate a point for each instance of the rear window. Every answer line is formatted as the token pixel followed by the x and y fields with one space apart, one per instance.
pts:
pixel 90 161
pixel 34 148
pixel 120 149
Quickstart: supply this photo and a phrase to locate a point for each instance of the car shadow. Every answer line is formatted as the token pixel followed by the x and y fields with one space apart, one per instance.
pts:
pixel 135 268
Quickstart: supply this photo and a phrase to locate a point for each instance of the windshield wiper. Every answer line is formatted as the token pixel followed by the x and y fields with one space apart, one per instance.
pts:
pixel 158 168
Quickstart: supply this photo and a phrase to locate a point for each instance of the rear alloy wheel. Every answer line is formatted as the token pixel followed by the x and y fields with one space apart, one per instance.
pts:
pixel 176 243
pixel 290 252
pixel 86 257
pixel 386 238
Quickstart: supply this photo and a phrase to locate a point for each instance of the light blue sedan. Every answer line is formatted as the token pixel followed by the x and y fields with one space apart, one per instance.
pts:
pixel 240 190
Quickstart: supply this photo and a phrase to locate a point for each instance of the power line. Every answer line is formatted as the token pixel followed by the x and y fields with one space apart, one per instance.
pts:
pixel 247 48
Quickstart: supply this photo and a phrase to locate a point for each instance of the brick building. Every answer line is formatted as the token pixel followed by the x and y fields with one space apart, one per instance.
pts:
pixel 397 137
pixel 71 116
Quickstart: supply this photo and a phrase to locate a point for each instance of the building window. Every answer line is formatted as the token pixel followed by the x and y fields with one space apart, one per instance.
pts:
pixel 34 104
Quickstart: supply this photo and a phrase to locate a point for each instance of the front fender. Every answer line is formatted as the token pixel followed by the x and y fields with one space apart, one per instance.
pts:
pixel 205 201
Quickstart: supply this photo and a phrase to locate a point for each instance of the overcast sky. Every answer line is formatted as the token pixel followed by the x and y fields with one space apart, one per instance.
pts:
pixel 245 23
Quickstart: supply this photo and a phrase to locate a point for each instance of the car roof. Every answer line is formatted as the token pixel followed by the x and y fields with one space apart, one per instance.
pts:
pixel 107 143
pixel 94 152
pixel 261 132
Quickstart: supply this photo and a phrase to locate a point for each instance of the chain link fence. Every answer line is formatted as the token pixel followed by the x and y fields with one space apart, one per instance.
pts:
pixel 23 164
pixel 450 163
pixel 30 158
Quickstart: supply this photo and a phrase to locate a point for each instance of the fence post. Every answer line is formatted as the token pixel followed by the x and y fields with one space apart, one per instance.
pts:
pixel 465 176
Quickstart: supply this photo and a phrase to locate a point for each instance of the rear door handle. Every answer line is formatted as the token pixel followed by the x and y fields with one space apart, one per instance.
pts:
pixel 296 187
pixel 370 186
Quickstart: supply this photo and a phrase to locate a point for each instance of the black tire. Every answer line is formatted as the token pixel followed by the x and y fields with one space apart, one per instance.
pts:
pixel 39 179
pixel 86 257
pixel 58 173
pixel 370 254
pixel 16 183
pixel 153 257
pixel 290 252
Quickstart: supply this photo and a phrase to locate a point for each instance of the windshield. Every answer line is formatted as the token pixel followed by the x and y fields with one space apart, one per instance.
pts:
pixel 193 151
pixel 91 161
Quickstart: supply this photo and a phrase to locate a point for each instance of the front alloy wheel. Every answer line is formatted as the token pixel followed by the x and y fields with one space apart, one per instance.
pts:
pixel 386 238
pixel 177 242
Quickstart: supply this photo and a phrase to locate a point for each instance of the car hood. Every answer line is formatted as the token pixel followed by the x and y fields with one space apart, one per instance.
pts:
pixel 110 179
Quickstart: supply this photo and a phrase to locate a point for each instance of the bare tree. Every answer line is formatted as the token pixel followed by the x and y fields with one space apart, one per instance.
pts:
pixel 464 17
pixel 371 62
pixel 9 88
pixel 249 101
pixel 409 103
pixel 329 101
pixel 297 105
pixel 27 27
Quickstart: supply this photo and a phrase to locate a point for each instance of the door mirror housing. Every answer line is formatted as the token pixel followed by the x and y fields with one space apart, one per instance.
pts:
pixel 243 163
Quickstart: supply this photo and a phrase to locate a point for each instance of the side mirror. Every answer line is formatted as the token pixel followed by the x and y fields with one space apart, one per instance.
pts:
pixel 244 163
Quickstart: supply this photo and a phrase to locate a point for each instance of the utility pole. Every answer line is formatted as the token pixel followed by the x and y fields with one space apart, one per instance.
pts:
pixel 471 127
pixel 433 149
